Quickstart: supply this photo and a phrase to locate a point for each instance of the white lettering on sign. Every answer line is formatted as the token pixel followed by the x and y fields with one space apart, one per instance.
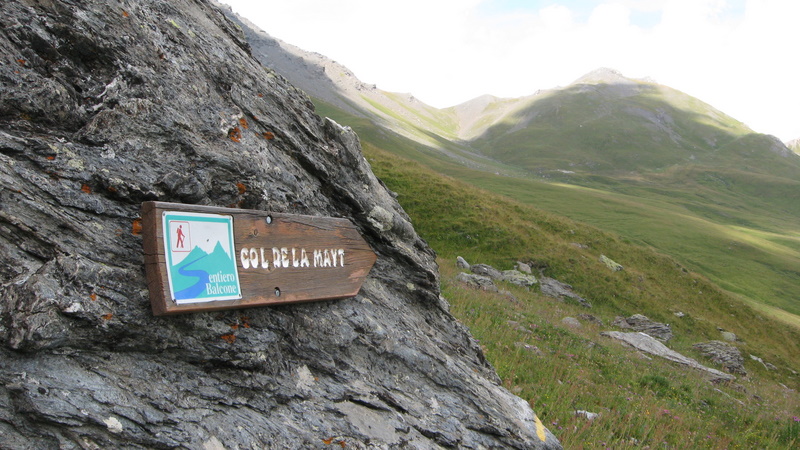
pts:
pixel 217 289
pixel 283 257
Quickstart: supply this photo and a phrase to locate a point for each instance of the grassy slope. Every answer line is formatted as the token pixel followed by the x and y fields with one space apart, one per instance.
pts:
pixel 745 258
pixel 641 401
pixel 609 129
pixel 735 225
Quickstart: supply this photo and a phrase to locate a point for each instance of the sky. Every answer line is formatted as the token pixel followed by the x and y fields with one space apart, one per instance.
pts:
pixel 740 56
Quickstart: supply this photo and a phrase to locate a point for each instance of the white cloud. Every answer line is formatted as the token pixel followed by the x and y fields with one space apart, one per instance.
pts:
pixel 449 51
pixel 610 17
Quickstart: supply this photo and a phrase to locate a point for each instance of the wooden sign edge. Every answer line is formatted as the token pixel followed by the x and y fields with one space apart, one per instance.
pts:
pixel 155 269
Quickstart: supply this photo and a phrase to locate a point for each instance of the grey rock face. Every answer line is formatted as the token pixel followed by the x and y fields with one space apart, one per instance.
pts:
pixel 729 336
pixel 556 289
pixel 620 322
pixel 590 318
pixel 611 264
pixel 648 344
pixel 462 263
pixel 518 278
pixel 477 281
pixel 724 354
pixel 639 322
pixel 108 104
pixel 511 276
pixel 766 365
pixel 486 270
pixel 524 268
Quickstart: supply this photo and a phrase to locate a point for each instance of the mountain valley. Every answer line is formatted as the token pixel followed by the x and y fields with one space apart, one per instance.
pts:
pixel 640 159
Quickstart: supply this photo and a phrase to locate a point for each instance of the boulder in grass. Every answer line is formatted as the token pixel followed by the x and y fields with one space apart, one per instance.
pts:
pixel 518 278
pixel 477 281
pixel 611 264
pixel 724 354
pixel 485 270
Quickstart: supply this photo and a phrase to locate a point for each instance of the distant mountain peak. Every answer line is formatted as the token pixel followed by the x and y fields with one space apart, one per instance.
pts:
pixel 480 102
pixel 604 75
pixel 794 145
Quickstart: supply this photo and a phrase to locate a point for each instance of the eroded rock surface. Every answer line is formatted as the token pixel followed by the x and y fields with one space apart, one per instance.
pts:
pixel 639 322
pixel 648 344
pixel 556 289
pixel 106 104
pixel 724 354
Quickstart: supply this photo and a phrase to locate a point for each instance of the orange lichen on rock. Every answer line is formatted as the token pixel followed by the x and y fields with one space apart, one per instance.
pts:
pixel 136 228
pixel 85 188
pixel 229 338
pixel 241 187
pixel 243 123
pixel 235 134
pixel 268 136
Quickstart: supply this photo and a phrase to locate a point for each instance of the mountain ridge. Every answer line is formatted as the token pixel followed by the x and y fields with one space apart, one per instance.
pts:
pixel 632 142
pixel 333 83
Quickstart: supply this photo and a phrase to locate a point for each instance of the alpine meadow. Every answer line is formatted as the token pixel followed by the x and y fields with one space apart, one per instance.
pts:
pixel 700 213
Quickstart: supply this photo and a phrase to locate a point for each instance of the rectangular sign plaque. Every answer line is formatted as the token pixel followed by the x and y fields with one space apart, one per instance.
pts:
pixel 203 258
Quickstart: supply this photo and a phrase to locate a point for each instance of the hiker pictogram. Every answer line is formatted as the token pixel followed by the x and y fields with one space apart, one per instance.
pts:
pixel 180 237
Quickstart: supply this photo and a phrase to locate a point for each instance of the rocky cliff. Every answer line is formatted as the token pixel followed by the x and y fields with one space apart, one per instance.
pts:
pixel 106 104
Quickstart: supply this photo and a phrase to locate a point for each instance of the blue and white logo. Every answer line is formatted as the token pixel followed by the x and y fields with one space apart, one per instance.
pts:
pixel 200 257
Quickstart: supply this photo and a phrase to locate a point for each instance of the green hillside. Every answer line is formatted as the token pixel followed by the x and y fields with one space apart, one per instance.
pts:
pixel 701 211
pixel 612 129
pixel 710 232
pixel 656 166
pixel 737 226
pixel 641 402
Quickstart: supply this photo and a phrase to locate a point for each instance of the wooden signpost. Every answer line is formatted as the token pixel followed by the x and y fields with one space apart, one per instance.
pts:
pixel 203 258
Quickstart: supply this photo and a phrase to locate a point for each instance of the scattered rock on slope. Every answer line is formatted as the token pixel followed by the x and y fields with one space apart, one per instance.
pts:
pixel 477 281
pixel 107 104
pixel 556 289
pixel 639 322
pixel 766 365
pixel 648 344
pixel 724 354
pixel 611 264
pixel 510 276
pixel 518 278
pixel 485 270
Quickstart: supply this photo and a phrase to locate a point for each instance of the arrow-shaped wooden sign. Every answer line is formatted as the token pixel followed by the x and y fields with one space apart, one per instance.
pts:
pixel 203 258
